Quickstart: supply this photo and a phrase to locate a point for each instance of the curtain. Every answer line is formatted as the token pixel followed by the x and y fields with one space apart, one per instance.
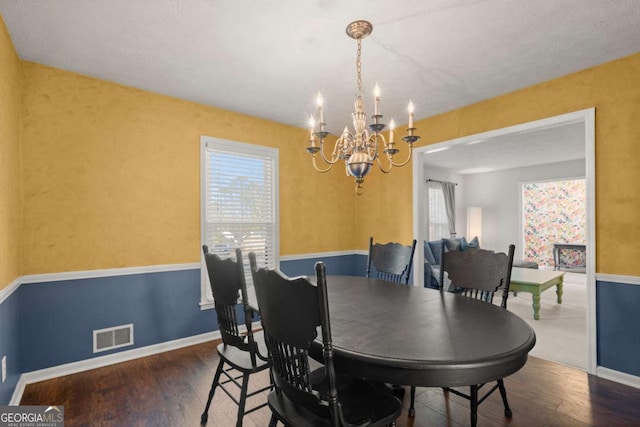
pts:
pixel 440 204
pixel 449 192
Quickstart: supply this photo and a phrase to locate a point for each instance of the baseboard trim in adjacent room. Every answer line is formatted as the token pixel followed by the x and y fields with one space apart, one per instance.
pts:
pixel 619 377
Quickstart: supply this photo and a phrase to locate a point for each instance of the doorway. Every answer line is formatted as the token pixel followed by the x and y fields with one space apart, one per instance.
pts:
pixel 586 119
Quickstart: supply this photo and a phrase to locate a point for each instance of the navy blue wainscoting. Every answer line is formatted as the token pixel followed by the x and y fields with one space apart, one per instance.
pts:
pixel 10 344
pixel 343 265
pixel 58 318
pixel 618 323
pixel 340 265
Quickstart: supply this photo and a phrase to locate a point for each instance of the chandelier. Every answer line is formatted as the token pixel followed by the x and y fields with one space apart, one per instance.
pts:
pixel 359 149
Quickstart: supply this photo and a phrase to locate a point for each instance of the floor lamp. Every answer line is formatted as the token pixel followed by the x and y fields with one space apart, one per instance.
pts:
pixel 474 223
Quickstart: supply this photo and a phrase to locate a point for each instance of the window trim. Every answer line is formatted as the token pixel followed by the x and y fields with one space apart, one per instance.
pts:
pixel 239 148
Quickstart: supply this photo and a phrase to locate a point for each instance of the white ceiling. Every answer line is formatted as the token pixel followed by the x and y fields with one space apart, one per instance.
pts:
pixel 270 58
pixel 526 148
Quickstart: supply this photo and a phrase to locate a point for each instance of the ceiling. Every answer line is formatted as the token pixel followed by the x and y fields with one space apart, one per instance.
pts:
pixel 269 58
pixel 516 150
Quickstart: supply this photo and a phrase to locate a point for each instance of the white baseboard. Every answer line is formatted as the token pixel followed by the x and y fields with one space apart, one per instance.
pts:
pixel 110 359
pixel 617 376
pixel 614 278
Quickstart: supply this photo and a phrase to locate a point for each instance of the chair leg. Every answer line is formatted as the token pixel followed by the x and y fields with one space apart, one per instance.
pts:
pixel 503 393
pixel 474 405
pixel 412 409
pixel 243 399
pixel 273 421
pixel 214 384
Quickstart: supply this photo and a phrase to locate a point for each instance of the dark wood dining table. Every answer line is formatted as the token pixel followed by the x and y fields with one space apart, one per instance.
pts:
pixel 410 335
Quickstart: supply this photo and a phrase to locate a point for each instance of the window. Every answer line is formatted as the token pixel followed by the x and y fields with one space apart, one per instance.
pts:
pixel 438 225
pixel 239 204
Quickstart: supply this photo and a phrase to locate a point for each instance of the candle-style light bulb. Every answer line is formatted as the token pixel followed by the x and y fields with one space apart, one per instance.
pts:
pixel 392 126
pixel 376 94
pixel 319 102
pixel 312 126
pixel 410 108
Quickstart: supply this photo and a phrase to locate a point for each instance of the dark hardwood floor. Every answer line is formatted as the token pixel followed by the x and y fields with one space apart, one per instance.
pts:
pixel 170 389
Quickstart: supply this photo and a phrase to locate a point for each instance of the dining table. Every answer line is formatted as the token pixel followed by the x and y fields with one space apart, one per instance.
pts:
pixel 402 334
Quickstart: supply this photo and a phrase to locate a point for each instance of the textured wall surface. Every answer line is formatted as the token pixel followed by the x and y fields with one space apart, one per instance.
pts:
pixel 9 160
pixel 111 176
pixel 111 173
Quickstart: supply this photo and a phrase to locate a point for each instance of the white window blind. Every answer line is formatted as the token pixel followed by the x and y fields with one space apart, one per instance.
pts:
pixel 438 223
pixel 239 204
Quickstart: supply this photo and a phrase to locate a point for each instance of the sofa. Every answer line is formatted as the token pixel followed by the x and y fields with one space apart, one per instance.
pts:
pixel 433 252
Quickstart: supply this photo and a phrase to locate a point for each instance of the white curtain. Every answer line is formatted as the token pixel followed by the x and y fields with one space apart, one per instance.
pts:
pixel 449 192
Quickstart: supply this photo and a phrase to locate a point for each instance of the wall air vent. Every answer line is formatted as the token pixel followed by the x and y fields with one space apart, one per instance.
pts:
pixel 110 338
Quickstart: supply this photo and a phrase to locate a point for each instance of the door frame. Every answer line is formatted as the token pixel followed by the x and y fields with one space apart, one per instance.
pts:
pixel 587 118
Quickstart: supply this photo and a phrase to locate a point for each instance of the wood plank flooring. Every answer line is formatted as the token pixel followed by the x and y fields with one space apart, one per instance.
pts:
pixel 170 389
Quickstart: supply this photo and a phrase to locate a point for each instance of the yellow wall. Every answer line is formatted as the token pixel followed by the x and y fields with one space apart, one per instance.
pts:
pixel 111 176
pixel 613 89
pixel 9 160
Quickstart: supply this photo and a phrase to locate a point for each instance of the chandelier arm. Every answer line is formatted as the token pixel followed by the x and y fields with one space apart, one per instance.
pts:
pixel 334 157
pixel 382 169
pixel 315 166
pixel 393 164
pixel 403 163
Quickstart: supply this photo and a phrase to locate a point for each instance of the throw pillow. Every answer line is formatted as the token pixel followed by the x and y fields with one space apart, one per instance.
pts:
pixel 453 244
pixel 473 243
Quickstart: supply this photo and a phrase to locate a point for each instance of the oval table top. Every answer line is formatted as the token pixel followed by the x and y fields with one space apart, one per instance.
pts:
pixel 417 336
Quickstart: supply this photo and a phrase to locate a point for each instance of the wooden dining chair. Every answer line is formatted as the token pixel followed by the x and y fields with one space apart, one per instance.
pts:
pixel 239 352
pixel 391 261
pixel 291 311
pixel 479 274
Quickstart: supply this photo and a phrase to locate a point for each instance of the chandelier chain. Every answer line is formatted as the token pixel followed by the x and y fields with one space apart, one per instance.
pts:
pixel 359 66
